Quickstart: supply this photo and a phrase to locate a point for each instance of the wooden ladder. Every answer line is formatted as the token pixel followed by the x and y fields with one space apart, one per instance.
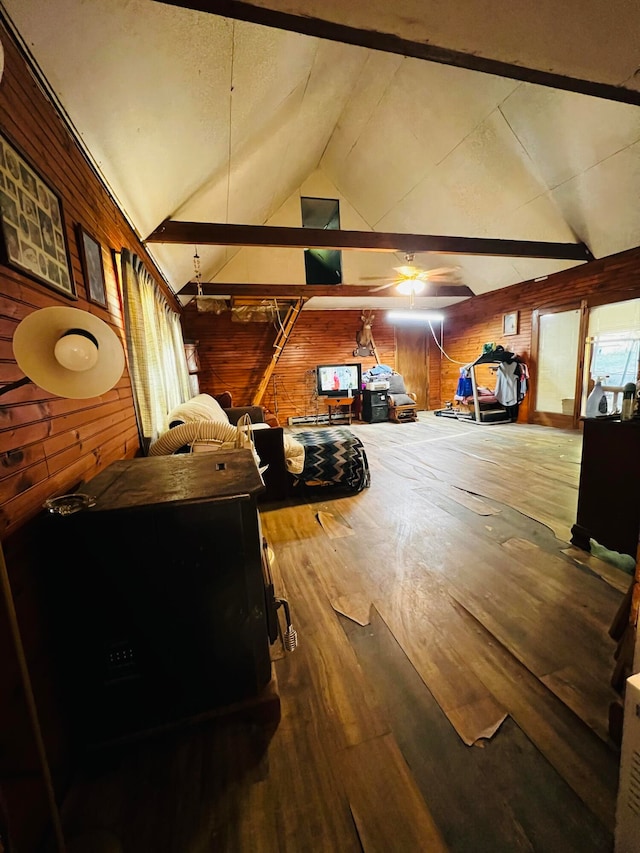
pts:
pixel 278 345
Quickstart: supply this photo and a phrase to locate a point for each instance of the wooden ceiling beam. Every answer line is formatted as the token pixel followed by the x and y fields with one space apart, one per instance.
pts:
pixel 307 291
pixel 218 234
pixel 391 43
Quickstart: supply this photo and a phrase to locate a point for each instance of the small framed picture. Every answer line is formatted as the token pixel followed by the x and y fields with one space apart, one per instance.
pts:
pixel 92 267
pixel 32 232
pixel 510 323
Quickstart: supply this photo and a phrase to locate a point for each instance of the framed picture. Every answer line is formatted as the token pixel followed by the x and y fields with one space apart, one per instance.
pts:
pixel 510 323
pixel 92 267
pixel 33 233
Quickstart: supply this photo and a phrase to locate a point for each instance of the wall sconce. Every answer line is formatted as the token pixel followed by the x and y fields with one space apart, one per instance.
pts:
pixel 67 352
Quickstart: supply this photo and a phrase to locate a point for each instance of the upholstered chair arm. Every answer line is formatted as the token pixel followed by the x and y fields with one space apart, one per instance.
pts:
pixel 256 413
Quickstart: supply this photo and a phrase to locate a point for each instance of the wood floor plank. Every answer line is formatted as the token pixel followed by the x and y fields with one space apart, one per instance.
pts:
pixel 573 684
pixel 462 496
pixel 583 759
pixel 345 700
pixel 515 619
pixel 470 706
pixel 508 777
pixel 332 526
pixel 388 809
pixel 586 594
pixel 338 577
pixel 356 607
pixel 514 598
pixel 611 574
pixel 493 461
pixel 299 803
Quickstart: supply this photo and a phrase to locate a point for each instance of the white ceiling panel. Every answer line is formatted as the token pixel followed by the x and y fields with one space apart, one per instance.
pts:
pixel 603 203
pixel 489 173
pixel 538 219
pixel 383 165
pixel 365 92
pixel 564 133
pixel 197 117
pixel 443 104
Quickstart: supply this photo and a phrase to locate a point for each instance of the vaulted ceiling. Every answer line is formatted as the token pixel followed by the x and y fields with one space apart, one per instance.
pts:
pixel 197 117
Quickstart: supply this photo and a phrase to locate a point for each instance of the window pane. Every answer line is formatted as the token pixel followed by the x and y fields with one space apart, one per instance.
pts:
pixel 618 317
pixel 322 266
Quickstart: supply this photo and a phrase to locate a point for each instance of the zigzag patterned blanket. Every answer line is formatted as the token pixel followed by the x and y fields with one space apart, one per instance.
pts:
pixel 334 456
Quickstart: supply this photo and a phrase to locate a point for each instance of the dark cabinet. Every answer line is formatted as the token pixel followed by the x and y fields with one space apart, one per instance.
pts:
pixel 375 406
pixel 163 598
pixel 608 508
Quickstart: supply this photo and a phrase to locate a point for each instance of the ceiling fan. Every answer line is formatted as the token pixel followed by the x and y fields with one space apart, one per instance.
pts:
pixel 411 279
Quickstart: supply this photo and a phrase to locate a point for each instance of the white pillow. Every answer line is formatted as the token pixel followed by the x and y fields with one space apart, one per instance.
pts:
pixel 202 407
pixel 293 454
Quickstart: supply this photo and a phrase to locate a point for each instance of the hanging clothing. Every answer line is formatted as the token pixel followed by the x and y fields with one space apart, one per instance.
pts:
pixel 465 388
pixel 508 383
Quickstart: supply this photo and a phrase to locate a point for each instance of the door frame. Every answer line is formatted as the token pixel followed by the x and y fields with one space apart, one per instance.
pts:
pixel 412 361
pixel 556 419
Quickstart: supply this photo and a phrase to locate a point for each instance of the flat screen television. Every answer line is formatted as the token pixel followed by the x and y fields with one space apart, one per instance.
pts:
pixel 339 380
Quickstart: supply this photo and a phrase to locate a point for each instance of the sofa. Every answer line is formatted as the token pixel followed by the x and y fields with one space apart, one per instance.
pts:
pixel 204 422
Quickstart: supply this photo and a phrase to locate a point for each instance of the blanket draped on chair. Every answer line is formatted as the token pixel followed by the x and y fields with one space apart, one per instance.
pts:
pixel 334 456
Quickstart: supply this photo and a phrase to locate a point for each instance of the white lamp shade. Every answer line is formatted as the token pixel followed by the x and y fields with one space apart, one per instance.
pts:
pixel 86 363
pixel 411 285
pixel 76 352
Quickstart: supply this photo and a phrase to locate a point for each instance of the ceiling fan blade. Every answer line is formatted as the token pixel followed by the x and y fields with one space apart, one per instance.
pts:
pixel 373 277
pixel 439 273
pixel 383 286
pixel 443 275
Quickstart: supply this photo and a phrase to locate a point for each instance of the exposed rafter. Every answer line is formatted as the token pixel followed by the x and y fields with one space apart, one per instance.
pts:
pixel 307 25
pixel 218 234
pixel 306 291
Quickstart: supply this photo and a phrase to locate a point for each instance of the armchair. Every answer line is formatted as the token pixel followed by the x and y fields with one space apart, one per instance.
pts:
pixel 403 407
pixel 258 414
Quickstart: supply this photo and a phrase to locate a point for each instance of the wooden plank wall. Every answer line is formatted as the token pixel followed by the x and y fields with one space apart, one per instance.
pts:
pixel 472 323
pixel 47 444
pixel 233 355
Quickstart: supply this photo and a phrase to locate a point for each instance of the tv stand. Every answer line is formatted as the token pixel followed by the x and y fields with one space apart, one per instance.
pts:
pixel 339 409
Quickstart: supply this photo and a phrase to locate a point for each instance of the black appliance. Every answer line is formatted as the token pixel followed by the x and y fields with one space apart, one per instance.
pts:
pixel 162 595
pixel 375 406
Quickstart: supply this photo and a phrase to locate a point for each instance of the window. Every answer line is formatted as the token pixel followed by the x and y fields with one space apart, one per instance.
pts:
pixel 157 360
pixel 322 266
pixel 613 349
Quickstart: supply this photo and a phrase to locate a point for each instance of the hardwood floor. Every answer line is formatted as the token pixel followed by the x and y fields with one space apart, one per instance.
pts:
pixel 451 685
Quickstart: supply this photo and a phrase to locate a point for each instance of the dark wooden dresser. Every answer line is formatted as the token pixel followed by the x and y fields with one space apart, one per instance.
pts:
pixel 163 601
pixel 608 506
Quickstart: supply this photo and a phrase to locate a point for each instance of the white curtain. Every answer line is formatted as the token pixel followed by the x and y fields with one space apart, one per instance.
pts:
pixel 157 360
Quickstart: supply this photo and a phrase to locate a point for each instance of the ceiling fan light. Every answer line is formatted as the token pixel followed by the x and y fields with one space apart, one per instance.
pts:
pixel 411 285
